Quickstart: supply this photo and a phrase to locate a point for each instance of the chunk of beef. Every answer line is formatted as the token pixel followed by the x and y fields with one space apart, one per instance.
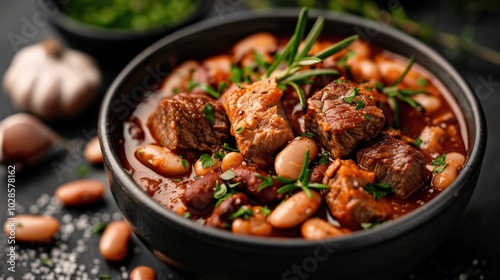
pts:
pixel 256 113
pixel 343 115
pixel 179 123
pixel 394 162
pixel 346 198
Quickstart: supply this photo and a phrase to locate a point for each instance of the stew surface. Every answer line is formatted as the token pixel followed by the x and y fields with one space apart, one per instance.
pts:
pixel 337 144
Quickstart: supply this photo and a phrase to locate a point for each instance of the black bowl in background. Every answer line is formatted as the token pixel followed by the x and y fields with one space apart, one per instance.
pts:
pixel 386 252
pixel 120 45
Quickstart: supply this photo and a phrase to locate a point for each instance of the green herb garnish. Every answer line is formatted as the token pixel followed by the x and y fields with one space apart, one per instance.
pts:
pixel 228 175
pixel 46 261
pixel 422 82
pixel 220 190
pixel 265 211
pixel 104 277
pixel 350 99
pixel 308 134
pixel 219 155
pixel 302 180
pixel 417 142
pixel 296 59
pixel 209 112
pixel 266 181
pixel 324 159
pixel 187 215
pixel 440 164
pixel 82 171
pixel 222 199
pixel 367 117
pixel 359 105
pixel 244 212
pixel 227 146
pixel 207 161
pixel 239 130
pixel 379 190
pixel 99 228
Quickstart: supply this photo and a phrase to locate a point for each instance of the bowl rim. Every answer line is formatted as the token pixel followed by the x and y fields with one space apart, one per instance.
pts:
pixel 71 25
pixel 355 240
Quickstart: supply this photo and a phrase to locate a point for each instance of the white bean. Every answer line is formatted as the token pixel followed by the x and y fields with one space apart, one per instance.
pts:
pixel 364 70
pixel 200 170
pixel 294 210
pixel 231 160
pixel 162 161
pixel 263 43
pixel 289 161
pixel 454 162
pixel 430 103
pixel 317 229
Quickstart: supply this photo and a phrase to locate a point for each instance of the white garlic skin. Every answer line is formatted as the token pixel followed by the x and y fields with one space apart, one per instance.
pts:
pixel 51 86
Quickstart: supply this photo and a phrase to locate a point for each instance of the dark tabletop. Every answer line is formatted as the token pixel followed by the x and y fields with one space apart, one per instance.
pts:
pixel 472 251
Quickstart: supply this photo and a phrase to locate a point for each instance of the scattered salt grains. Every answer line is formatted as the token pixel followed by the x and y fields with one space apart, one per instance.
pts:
pixel 59 261
pixel 117 216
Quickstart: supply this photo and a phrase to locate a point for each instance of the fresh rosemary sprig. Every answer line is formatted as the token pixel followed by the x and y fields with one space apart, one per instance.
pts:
pixel 394 93
pixel 296 58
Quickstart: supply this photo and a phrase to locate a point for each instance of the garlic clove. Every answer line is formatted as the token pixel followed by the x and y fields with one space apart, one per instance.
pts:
pixel 24 138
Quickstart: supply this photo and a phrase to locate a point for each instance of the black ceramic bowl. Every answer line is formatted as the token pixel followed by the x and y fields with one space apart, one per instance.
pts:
pixel 382 253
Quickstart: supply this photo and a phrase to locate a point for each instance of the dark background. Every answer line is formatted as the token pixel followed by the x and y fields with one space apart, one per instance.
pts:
pixel 472 251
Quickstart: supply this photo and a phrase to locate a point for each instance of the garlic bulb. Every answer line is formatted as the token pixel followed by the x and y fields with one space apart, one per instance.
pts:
pixel 50 81
pixel 24 139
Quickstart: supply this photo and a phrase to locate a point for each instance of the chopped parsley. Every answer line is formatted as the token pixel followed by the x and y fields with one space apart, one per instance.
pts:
pixel 417 142
pixel 350 99
pixel 219 155
pixel 244 212
pixel 227 146
pixel 324 159
pixel 46 261
pixel 221 87
pixel 239 130
pixel 379 190
pixel 421 81
pixel 367 117
pixel 82 171
pixel 104 277
pixel 338 81
pixel 439 163
pixel 99 228
pixel 187 215
pixel 265 211
pixel 236 74
pixel 19 225
pixel 308 134
pixel 209 112
pixel 207 161
pixel 359 105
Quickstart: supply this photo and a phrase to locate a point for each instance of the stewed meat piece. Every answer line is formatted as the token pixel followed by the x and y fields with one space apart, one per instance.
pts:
pixel 258 120
pixel 179 123
pixel 342 115
pixel 347 200
pixel 394 162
